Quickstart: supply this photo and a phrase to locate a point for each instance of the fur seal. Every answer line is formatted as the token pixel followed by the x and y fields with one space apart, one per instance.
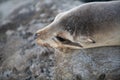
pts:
pixel 89 25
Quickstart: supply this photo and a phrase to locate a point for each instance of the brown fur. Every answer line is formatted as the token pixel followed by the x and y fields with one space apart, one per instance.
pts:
pixel 89 25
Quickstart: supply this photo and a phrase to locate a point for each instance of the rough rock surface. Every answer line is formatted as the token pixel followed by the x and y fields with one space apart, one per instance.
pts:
pixel 90 64
pixel 22 59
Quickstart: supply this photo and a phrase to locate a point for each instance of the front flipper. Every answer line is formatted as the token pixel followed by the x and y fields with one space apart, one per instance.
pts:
pixel 86 39
pixel 91 40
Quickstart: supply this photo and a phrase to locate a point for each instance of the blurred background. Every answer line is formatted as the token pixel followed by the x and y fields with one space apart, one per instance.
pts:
pixel 20 57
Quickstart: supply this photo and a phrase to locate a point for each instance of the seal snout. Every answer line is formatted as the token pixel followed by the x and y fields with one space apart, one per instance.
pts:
pixel 36 35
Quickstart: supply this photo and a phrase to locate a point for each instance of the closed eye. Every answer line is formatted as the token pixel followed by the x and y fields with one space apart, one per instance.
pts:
pixel 68 42
pixel 61 39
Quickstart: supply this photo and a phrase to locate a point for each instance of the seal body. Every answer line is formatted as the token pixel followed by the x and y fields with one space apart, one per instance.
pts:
pixel 86 26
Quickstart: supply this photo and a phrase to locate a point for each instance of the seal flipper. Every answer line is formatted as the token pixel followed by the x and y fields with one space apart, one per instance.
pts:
pixel 86 39
pixel 91 40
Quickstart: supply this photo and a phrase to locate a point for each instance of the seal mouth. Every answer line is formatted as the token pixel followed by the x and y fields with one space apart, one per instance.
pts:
pixel 68 42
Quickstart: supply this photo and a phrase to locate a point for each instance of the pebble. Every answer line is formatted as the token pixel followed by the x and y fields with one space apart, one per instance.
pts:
pixel 10 32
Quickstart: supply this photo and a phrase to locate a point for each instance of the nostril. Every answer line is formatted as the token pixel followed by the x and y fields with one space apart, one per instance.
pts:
pixel 35 35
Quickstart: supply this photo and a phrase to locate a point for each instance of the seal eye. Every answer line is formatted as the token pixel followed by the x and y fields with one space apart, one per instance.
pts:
pixel 67 42
pixel 60 39
pixel 63 40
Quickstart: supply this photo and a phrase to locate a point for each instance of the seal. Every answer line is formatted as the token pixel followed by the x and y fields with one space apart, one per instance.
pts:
pixel 89 25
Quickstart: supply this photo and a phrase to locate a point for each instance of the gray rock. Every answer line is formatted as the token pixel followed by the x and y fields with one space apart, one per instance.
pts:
pixel 9 32
pixel 90 64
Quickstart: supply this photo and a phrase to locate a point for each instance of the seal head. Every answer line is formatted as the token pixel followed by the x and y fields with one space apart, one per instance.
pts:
pixel 89 25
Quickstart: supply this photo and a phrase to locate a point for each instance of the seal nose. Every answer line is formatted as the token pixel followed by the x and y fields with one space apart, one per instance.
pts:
pixel 35 35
